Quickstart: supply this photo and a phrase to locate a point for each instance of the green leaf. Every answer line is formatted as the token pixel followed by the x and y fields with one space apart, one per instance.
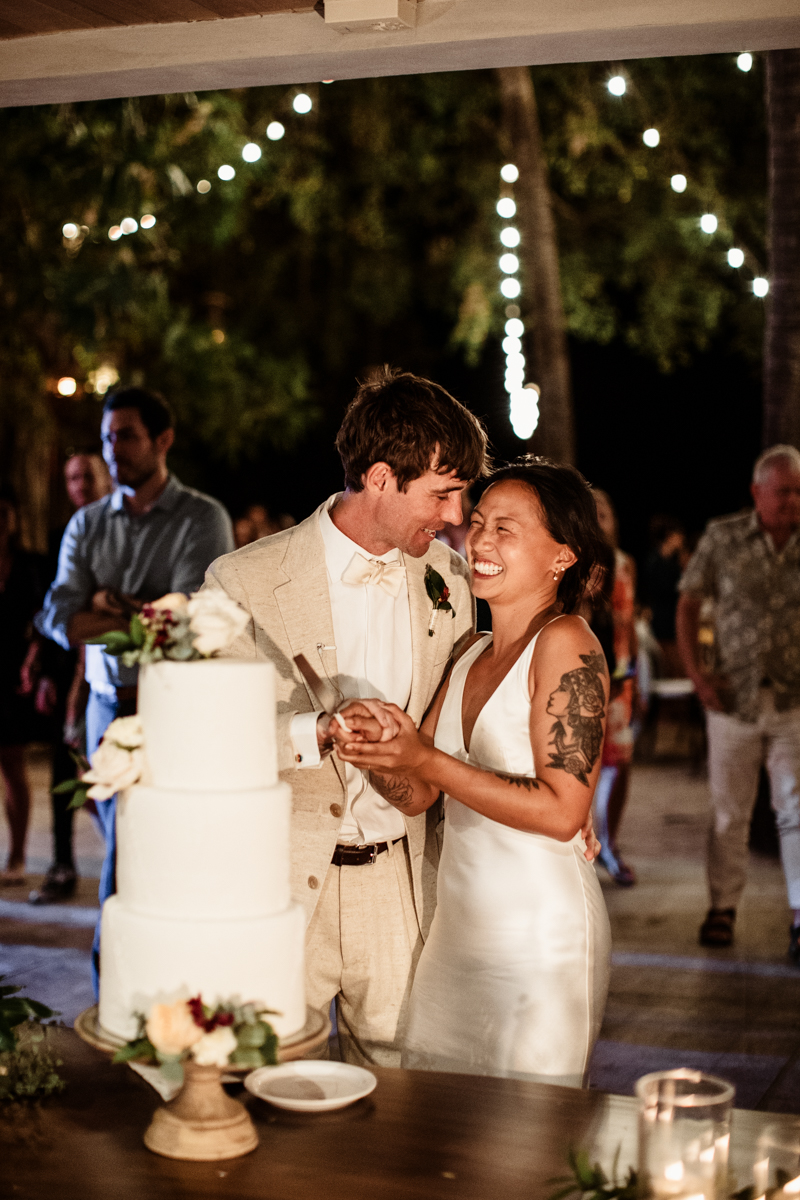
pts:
pixel 171 1067
pixel 252 1036
pixel 69 785
pixel 138 631
pixel 142 1048
pixel 115 641
pixel 247 1058
pixel 80 797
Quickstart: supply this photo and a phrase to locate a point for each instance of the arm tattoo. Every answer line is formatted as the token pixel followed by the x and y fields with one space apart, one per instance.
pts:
pixel 578 704
pixel 396 790
pixel 524 781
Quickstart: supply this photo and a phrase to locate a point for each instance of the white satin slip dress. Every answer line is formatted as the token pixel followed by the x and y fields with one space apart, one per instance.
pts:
pixel 513 978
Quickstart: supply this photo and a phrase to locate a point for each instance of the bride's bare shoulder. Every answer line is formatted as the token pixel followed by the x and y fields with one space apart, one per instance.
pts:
pixel 566 635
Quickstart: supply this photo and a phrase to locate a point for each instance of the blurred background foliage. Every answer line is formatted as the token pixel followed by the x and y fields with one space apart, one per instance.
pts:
pixel 367 234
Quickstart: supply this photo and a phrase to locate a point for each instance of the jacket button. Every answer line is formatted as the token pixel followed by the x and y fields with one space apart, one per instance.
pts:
pixel 336 810
pixel 313 882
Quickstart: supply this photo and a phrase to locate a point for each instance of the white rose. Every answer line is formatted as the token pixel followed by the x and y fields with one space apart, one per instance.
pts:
pixel 113 769
pixel 215 620
pixel 214 1049
pixel 125 731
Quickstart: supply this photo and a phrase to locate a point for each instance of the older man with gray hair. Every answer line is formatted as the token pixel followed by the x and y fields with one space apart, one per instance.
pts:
pixel 749 564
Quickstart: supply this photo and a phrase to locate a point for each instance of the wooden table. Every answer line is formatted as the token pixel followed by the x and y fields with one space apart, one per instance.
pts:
pixel 420 1134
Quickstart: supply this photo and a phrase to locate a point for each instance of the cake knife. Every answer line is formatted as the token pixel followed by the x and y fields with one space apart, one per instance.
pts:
pixel 321 689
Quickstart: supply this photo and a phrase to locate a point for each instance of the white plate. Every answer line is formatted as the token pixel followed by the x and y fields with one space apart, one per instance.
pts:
pixel 310 1085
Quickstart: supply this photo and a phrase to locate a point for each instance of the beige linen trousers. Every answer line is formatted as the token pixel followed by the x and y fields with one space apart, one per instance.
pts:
pixel 365 924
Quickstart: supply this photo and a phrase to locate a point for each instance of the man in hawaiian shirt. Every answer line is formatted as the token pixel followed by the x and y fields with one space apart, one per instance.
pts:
pixel 749 564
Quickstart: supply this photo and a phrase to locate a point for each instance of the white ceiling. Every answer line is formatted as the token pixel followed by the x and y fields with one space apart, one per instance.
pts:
pixel 450 35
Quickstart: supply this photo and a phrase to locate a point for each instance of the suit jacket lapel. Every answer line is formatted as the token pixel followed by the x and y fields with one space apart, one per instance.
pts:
pixel 423 647
pixel 304 601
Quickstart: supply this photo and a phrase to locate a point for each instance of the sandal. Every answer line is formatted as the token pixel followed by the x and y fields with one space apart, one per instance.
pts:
pixel 717 929
pixel 12 877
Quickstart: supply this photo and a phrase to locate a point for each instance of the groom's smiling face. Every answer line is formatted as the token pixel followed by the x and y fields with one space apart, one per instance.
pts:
pixel 411 519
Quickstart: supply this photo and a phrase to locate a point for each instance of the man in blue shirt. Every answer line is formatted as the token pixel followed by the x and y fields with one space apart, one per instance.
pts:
pixel 151 536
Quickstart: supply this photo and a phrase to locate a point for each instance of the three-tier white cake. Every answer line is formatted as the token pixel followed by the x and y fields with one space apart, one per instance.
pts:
pixel 203 902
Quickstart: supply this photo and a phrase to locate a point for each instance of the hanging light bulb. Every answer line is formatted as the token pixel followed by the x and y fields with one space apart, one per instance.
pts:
pixel 744 62
pixel 678 183
pixel 510 288
pixel 708 223
pixel 651 138
pixel 617 85
pixel 275 131
pixel 735 257
pixel 509 236
pixel 506 208
pixel 509 173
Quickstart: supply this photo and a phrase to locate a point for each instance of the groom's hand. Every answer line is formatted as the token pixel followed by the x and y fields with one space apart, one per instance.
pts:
pixel 365 721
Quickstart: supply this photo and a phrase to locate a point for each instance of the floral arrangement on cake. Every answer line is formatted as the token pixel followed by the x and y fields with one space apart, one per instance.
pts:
pixel 27 1064
pixel 177 627
pixel 230 1034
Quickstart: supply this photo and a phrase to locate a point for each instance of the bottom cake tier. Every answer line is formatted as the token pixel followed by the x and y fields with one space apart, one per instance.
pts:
pixel 146 960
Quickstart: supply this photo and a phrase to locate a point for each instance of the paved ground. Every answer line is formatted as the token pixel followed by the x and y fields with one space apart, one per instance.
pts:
pixel 672 1003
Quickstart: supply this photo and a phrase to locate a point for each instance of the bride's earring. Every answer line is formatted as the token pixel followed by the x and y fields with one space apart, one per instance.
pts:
pixel 555 576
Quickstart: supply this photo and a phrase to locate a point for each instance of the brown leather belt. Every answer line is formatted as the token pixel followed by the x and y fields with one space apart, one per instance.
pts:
pixel 358 856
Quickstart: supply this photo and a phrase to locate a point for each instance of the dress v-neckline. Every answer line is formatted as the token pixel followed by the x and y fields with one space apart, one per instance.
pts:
pixel 495 690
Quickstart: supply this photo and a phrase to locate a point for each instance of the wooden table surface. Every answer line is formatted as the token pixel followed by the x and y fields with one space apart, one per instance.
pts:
pixel 420 1134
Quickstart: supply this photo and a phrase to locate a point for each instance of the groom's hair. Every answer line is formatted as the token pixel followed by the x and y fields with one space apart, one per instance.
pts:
pixel 411 424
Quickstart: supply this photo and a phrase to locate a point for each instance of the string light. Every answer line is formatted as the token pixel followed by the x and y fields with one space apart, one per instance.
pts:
pixel 203 186
pixel 509 173
pixel 129 225
pixel 651 138
pixel 514 328
pixel 524 411
pixel 275 131
pixel 678 183
pixel 512 345
pixel 226 172
pixel 510 288
pixel 506 208
pixel 708 223
pixel 147 221
pixel 735 257
pixel 251 152
pixel 102 379
pixel 509 263
pixel 617 85
pixel 115 233
pixel 70 231
pixel 66 386
pixel 744 62
pixel 302 103
pixel 509 236
pixel 760 286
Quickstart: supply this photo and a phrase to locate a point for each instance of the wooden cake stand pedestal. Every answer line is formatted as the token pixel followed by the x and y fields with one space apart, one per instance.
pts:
pixel 203 1123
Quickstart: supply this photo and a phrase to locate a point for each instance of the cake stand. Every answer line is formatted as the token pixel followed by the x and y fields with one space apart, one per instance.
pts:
pixel 203 1123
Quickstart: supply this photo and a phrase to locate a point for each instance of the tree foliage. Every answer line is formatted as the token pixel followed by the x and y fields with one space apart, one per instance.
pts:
pixel 367 234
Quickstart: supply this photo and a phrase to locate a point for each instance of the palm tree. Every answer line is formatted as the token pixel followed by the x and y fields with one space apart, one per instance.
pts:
pixel 555 435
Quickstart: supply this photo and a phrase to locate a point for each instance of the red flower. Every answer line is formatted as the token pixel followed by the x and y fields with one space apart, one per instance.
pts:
pixel 446 593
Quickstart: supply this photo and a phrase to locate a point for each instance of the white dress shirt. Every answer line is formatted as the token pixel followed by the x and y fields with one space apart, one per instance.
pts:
pixel 372 631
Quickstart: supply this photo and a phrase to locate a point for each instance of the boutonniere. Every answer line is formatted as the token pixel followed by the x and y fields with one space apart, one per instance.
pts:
pixel 439 596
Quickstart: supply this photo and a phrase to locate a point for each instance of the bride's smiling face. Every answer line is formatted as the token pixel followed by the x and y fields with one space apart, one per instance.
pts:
pixel 510 552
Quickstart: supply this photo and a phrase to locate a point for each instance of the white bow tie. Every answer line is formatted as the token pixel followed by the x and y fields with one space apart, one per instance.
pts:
pixel 386 575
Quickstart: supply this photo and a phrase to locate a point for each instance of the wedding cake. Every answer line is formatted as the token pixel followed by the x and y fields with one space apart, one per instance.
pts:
pixel 203 902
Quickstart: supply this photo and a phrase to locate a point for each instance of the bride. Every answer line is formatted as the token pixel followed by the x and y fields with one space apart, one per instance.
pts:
pixel 513 978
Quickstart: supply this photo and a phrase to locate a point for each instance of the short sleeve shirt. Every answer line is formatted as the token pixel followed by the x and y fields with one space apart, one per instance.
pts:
pixel 756 590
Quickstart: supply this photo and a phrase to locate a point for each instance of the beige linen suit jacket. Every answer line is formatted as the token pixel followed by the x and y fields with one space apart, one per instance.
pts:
pixel 282 582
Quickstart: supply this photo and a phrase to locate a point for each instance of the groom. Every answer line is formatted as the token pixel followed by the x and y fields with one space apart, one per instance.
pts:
pixel 347 589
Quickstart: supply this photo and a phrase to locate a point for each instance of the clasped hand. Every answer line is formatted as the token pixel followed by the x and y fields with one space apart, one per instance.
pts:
pixel 381 737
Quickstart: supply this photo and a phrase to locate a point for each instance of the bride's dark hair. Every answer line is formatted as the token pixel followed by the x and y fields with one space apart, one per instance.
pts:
pixel 569 514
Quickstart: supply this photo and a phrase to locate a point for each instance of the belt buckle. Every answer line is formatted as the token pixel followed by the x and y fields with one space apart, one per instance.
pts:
pixel 373 853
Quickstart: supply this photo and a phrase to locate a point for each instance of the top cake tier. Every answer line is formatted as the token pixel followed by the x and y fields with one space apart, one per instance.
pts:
pixel 209 726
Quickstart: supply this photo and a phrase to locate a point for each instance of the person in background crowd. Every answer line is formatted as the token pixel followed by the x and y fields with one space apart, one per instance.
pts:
pixel 662 572
pixel 749 563
pixel 150 537
pixel 20 597
pixel 613 785
pixel 61 693
pixel 256 523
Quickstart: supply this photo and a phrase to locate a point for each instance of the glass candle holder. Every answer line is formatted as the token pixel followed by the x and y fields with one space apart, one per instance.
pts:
pixel 776 1171
pixel 684 1135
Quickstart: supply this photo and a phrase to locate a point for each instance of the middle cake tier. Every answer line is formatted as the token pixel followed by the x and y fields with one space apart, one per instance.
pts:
pixel 185 854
